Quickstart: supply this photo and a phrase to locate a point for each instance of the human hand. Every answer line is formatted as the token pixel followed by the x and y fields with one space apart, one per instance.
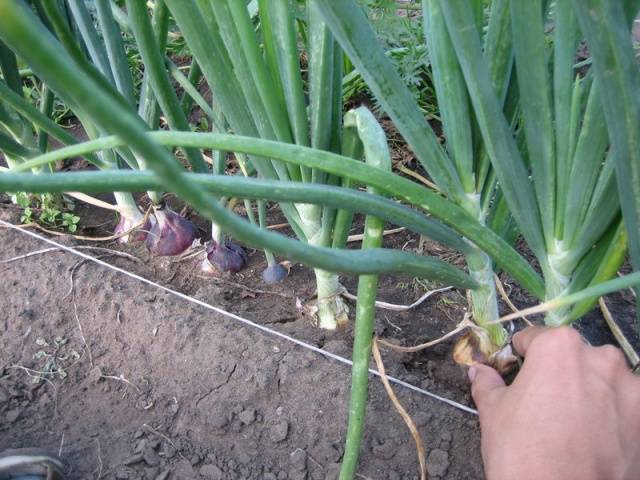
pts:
pixel 570 414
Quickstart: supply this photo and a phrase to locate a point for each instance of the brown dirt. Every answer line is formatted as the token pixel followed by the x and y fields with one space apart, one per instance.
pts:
pixel 163 387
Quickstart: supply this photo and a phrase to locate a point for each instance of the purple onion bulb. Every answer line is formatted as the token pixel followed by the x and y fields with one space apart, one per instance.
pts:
pixel 224 257
pixel 171 234
pixel 126 223
pixel 274 274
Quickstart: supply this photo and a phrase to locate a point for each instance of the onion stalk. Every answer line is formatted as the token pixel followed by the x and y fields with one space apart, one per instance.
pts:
pixel 571 223
pixel 271 103
pixel 568 218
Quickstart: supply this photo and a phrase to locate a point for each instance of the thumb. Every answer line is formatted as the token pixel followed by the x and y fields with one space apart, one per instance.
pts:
pixel 485 383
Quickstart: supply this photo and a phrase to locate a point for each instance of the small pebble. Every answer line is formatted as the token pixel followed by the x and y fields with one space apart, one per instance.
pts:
pixel 422 418
pixel 298 459
pixel 438 463
pixel 218 419
pixel 385 451
pixel 95 375
pixel 133 459
pixel 163 475
pixel 243 458
pixel 247 416
pixel 236 426
pixel 211 472
pixel 169 451
pixel 151 458
pixel 13 415
pixel 279 431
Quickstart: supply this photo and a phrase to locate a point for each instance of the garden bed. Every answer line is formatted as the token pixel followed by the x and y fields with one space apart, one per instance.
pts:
pixel 199 396
pixel 170 388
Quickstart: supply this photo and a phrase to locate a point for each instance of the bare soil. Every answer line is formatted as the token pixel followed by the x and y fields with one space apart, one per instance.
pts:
pixel 129 382
pixel 143 385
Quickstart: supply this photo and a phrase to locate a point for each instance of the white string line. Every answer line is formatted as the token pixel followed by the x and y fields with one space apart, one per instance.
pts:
pixel 242 320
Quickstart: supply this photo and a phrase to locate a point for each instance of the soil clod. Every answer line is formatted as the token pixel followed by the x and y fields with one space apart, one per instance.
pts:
pixel 279 431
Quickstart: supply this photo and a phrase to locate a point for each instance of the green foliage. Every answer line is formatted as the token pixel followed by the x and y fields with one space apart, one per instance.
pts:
pixel 32 90
pixel 70 221
pixel 48 210
pixel 400 31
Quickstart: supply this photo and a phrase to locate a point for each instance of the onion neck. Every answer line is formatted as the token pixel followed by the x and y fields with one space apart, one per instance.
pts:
pixel 128 208
pixel 557 276
pixel 484 302
pixel 332 309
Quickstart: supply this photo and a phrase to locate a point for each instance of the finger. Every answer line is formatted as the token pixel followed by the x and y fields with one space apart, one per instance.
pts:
pixel 556 340
pixel 485 382
pixel 523 339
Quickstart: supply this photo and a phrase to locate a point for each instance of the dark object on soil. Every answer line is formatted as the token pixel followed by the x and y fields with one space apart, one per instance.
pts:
pixel 171 234
pixel 31 464
pixel 224 257
pixel 274 274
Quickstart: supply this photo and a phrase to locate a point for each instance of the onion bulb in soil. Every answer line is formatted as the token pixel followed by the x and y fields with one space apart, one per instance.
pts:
pixel 274 274
pixel 476 347
pixel 170 233
pixel 127 223
pixel 223 257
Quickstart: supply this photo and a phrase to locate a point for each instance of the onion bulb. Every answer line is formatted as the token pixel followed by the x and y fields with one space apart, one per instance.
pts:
pixel 170 233
pixel 274 274
pixel 127 223
pixel 476 347
pixel 224 257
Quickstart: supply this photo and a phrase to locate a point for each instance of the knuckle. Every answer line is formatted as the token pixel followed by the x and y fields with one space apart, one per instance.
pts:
pixel 562 337
pixel 611 355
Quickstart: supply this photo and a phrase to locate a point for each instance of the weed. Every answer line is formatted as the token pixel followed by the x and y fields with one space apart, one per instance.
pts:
pixel 55 357
pixel 48 210
pixel 400 30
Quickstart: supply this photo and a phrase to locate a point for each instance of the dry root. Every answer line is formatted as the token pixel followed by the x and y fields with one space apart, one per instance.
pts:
pixel 476 347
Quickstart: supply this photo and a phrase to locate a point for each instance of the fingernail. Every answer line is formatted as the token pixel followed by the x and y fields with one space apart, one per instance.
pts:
pixel 472 372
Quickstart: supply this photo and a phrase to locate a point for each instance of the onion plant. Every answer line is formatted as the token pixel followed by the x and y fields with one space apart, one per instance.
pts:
pixel 72 24
pixel 559 182
pixel 478 74
pixel 262 93
pixel 462 170
pixel 104 55
pixel 254 109
pixel 28 37
pixel 482 150
pixel 555 172
pixel 25 132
